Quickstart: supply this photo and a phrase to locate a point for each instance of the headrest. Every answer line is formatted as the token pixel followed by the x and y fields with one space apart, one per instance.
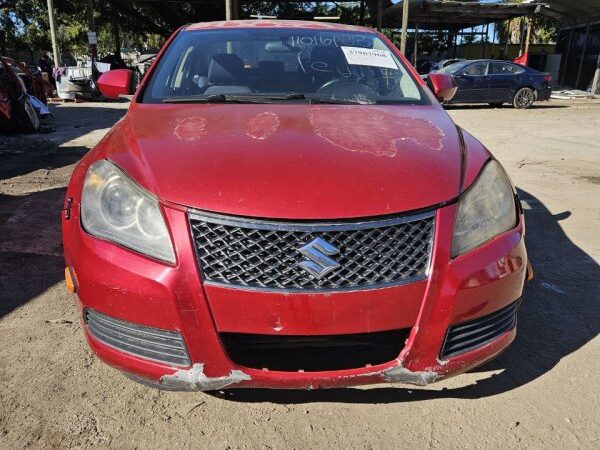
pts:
pixel 225 68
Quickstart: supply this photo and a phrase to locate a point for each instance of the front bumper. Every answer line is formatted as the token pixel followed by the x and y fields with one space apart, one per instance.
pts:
pixel 129 287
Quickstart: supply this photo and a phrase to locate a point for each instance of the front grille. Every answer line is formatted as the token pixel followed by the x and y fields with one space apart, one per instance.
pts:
pixel 470 335
pixel 266 255
pixel 146 342
pixel 313 353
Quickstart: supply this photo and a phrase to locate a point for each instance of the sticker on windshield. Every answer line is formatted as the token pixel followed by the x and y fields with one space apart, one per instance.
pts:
pixel 369 57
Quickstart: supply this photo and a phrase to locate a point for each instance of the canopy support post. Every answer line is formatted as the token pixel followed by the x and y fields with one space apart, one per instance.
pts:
pixel 404 26
pixel 587 32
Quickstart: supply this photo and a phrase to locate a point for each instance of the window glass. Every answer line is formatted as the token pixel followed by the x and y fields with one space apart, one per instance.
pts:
pixel 476 69
pixel 501 68
pixel 339 65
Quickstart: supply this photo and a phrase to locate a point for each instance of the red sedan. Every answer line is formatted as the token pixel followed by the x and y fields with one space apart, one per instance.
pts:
pixel 287 205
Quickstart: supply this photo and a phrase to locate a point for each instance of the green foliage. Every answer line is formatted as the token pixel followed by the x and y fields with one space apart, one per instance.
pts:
pixel 543 30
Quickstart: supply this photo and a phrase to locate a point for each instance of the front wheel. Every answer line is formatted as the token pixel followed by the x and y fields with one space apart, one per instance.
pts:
pixel 524 98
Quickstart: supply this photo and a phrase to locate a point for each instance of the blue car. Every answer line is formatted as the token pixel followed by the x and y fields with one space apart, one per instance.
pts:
pixel 497 82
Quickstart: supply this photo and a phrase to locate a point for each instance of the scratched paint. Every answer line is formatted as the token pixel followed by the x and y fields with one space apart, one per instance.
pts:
pixel 191 129
pixel 262 125
pixel 392 130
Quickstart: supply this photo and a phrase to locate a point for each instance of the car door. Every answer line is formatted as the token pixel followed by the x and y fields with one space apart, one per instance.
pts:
pixel 504 80
pixel 473 83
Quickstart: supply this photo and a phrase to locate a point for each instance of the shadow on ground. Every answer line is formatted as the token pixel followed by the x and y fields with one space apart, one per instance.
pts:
pixel 25 153
pixel 542 105
pixel 31 258
pixel 558 316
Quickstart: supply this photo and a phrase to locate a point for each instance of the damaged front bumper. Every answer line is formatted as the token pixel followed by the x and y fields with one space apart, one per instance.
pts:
pixel 132 288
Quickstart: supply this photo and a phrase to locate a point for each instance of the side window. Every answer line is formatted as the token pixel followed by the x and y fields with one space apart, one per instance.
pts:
pixel 476 69
pixel 499 68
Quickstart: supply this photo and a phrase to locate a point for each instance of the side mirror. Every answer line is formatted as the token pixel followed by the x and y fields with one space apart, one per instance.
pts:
pixel 116 83
pixel 442 85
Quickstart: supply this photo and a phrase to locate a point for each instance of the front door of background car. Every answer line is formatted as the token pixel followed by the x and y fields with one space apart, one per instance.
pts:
pixel 473 83
pixel 504 80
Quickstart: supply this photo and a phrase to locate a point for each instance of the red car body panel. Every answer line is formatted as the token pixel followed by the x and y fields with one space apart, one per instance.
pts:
pixel 292 162
pixel 375 173
pixel 36 83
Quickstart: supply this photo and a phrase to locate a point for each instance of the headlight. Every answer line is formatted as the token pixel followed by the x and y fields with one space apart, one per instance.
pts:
pixel 114 207
pixel 485 210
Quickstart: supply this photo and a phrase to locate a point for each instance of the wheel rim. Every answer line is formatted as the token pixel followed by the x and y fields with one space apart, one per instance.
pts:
pixel 524 98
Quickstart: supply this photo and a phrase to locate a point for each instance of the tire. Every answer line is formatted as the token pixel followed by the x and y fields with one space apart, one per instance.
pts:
pixel 524 98
pixel 496 104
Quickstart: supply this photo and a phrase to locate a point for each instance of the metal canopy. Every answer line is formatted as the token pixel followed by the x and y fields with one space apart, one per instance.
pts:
pixel 573 12
pixel 435 14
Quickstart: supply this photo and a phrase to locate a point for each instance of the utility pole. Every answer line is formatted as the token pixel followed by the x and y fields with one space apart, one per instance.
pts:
pixel 379 14
pixel 55 52
pixel 92 38
pixel 404 27
pixel 228 9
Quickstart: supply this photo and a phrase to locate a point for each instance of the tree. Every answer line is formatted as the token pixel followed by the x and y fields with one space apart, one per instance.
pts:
pixel 543 30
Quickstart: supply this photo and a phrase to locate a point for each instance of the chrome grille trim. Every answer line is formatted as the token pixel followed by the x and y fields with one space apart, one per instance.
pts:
pixel 260 254
pixel 139 340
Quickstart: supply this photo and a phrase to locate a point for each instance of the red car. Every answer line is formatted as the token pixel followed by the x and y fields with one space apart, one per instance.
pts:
pixel 287 205
pixel 16 111
pixel 34 83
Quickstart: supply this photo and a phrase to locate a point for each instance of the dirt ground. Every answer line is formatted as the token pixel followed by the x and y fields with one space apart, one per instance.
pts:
pixel 542 392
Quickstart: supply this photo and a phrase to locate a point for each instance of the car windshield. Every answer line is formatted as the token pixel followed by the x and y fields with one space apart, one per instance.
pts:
pixel 272 65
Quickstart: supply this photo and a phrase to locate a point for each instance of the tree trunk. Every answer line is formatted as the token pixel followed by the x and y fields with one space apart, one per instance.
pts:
pixel 114 18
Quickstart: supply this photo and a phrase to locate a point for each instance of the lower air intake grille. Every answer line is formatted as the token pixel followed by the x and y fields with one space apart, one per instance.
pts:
pixel 313 353
pixel 151 343
pixel 470 335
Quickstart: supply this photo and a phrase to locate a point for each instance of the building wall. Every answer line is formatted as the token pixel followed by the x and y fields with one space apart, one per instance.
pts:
pixel 571 44
pixel 474 51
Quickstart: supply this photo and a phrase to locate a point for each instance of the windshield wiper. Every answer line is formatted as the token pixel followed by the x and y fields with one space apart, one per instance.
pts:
pixel 261 98
pixel 213 98
pixel 317 99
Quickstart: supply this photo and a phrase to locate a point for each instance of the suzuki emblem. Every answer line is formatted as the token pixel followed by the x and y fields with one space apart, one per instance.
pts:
pixel 318 252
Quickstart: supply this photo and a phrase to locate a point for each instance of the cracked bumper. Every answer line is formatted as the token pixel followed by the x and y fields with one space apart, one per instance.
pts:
pixel 128 286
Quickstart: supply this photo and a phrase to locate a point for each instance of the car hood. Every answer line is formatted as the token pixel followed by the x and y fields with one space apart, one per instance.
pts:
pixel 292 161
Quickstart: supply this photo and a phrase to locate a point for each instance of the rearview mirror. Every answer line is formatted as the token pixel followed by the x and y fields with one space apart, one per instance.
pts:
pixel 116 83
pixel 442 85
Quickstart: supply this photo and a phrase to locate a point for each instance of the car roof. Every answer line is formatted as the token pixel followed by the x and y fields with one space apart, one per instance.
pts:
pixel 301 24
